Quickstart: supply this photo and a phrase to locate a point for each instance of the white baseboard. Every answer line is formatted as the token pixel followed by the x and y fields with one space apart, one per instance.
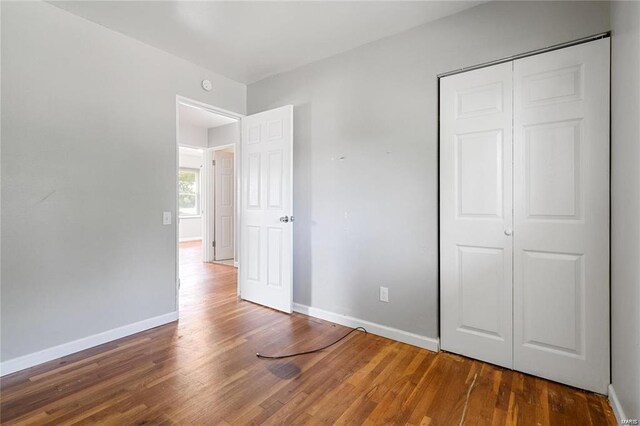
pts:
pixel 371 327
pixel 184 240
pixel 30 360
pixel 615 404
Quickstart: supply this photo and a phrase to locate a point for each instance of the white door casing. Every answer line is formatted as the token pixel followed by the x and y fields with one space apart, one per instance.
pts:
pixel 561 215
pixel 266 198
pixel 224 206
pixel 475 214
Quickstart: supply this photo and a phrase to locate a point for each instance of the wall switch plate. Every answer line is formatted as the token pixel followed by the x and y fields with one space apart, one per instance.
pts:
pixel 166 218
pixel 384 294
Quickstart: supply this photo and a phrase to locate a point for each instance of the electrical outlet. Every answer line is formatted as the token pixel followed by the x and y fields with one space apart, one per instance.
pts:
pixel 384 294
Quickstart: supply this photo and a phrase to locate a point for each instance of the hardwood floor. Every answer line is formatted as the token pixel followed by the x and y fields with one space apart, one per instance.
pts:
pixel 203 370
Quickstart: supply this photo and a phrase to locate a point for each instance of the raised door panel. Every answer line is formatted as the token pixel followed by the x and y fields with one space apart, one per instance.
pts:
pixel 226 237
pixel 274 257
pixel 479 100
pixel 552 170
pixel 253 134
pixel 254 255
pixel 274 130
pixel 254 192
pixel 481 295
pixel 479 174
pixel 275 181
pixel 226 198
pixel 553 296
pixel 551 87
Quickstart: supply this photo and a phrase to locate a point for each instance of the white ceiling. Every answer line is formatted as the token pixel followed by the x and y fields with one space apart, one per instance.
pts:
pixel 197 117
pixel 248 41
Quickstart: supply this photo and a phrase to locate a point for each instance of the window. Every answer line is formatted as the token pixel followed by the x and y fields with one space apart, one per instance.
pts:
pixel 189 192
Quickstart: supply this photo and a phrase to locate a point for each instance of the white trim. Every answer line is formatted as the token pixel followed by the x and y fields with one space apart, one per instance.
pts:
pixel 207 212
pixel 220 111
pixel 236 264
pixel 49 354
pixel 424 342
pixel 184 240
pixel 176 206
pixel 615 404
pixel 192 216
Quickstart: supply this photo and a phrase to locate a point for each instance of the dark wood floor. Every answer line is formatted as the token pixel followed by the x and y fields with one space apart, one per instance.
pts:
pixel 203 370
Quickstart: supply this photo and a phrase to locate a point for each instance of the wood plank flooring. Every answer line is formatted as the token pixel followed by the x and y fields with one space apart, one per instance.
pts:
pixel 203 370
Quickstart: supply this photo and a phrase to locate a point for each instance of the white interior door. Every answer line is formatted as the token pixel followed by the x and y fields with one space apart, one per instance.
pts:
pixel 561 215
pixel 475 214
pixel 266 217
pixel 224 205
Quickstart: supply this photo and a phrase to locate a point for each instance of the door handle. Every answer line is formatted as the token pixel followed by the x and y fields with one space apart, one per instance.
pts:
pixel 284 219
pixel 508 232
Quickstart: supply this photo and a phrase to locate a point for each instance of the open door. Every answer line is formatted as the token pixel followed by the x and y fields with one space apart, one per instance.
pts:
pixel 266 225
pixel 224 206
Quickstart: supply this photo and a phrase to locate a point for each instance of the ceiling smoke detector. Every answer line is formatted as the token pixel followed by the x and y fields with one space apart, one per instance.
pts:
pixel 206 85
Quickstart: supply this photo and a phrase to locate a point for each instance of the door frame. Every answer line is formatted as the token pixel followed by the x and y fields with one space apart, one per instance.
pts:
pixel 206 188
pixel 594 37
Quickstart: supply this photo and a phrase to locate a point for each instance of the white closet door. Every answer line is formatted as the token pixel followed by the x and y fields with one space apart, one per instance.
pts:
pixel 561 215
pixel 475 213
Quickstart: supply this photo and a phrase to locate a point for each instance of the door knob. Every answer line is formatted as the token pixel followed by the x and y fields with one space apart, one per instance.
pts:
pixel 508 232
pixel 284 219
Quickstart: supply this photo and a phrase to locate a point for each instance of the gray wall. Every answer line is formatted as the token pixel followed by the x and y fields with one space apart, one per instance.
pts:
pixel 88 167
pixel 625 209
pixel 190 135
pixel 224 135
pixel 365 154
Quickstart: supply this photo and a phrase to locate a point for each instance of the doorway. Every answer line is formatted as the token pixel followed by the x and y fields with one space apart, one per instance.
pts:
pixel 206 191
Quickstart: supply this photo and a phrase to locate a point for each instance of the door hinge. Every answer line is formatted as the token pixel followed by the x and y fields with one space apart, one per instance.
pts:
pixel 213 162
pixel 213 243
